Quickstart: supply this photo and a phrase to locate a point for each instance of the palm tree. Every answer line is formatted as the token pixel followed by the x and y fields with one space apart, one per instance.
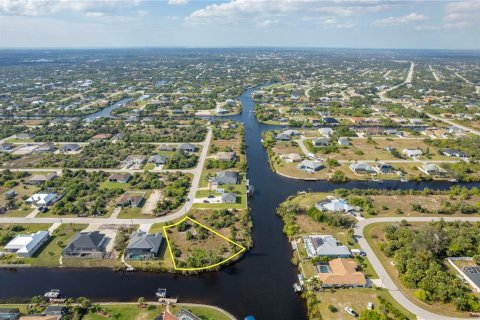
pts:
pixel 141 302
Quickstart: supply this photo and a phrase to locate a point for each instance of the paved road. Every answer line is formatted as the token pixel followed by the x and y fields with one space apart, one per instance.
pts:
pixel 383 274
pixel 383 94
pixel 112 220
pixel 468 129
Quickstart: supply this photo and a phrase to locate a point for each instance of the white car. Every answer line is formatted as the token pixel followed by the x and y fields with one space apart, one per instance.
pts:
pixel 351 312
pixel 370 306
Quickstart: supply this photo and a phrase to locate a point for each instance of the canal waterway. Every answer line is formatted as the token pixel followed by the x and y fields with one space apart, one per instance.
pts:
pixel 259 284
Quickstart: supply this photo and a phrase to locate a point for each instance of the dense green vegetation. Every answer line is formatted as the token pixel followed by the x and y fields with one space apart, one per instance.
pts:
pixel 419 255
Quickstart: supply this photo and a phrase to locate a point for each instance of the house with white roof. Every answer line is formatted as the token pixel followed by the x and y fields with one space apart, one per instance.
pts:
pixel 324 246
pixel 43 199
pixel 412 153
pixel 334 205
pixel 25 245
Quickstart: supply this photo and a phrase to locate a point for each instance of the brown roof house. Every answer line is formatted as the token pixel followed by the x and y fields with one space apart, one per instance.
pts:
pixel 120 177
pixel 341 273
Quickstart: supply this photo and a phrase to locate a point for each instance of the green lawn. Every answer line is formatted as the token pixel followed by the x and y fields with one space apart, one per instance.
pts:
pixel 115 185
pixel 133 213
pixel 149 166
pixel 49 255
pixel 126 312
pixel 203 312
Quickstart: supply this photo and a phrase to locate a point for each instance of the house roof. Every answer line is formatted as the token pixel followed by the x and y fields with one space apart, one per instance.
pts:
pixel 85 240
pixel 142 240
pixel 343 272
pixel 42 198
pixel 229 197
pixel 225 177
pixel 324 245
pixel 310 164
pixel 335 205
pixel 25 243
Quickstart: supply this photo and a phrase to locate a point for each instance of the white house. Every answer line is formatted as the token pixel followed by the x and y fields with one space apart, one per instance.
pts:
pixel 412 153
pixel 310 166
pixel 42 199
pixel 25 245
pixel 326 132
pixel 334 205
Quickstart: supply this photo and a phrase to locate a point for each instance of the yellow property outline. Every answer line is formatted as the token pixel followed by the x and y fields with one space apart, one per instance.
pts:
pixel 211 230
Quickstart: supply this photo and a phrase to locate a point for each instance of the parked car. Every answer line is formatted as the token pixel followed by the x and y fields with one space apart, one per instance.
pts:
pixel 206 201
pixel 351 312
pixel 370 306
pixel 43 209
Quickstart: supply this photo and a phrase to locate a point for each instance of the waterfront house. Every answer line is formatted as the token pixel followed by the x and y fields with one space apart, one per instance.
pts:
pixel 291 157
pixel 120 177
pixel 324 246
pixel 9 313
pixel 86 245
pixel 225 156
pixel 142 245
pixel 362 168
pixel 224 177
pixel 340 273
pixel 282 137
pixel 25 245
pixel 334 205
pixel 432 169
pixel 229 197
pixel 383 168
pixel 310 166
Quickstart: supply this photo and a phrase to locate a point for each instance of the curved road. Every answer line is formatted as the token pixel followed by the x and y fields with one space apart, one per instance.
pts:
pixel 388 283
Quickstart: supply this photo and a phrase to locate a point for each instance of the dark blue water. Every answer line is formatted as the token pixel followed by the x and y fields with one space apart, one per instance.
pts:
pixel 106 112
pixel 259 284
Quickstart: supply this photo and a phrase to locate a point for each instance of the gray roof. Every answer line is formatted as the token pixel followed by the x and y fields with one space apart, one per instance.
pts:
pixel 145 241
pixel 85 241
pixel 229 197
pixel 225 177
pixel 69 146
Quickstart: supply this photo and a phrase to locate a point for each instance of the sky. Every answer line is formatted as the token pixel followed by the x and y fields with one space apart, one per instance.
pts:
pixel 240 23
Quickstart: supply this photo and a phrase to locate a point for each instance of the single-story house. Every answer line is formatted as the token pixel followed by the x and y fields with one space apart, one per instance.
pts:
pixel 188 147
pixel 324 246
pixel 290 132
pixel 326 132
pixel 9 313
pixel 6 147
pixel 291 157
pixel 282 137
pixel 330 121
pixel 45 147
pixel 40 178
pixel 10 194
pixel 129 200
pixel 186 315
pixel 143 245
pixel 225 156
pixel 383 168
pixel 230 197
pixel 321 142
pixel 25 245
pixel 432 169
pixel 341 273
pixel 454 153
pixel 362 168
pixel 70 147
pixel 334 205
pixel 343 141
pixel 310 166
pixel 134 160
pixel 157 159
pixel 86 245
pixel 120 177
pixel 55 310
pixel 166 147
pixel 412 153
pixel 225 177
pixel 119 136
pixel 42 199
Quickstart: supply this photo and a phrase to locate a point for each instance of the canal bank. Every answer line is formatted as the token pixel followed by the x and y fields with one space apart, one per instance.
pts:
pixel 259 284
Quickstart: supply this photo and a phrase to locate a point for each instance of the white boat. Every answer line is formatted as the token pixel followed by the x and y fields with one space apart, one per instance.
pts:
pixel 161 293
pixel 403 180
pixel 453 180
pixel 52 294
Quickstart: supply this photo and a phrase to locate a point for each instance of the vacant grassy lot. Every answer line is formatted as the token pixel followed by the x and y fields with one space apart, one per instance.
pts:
pixel 125 312
pixel 355 298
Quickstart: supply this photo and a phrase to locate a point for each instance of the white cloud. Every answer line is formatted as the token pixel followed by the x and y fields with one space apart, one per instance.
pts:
pixel 267 23
pixel 49 7
pixel 237 10
pixel 178 2
pixel 395 21
pixel 462 14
